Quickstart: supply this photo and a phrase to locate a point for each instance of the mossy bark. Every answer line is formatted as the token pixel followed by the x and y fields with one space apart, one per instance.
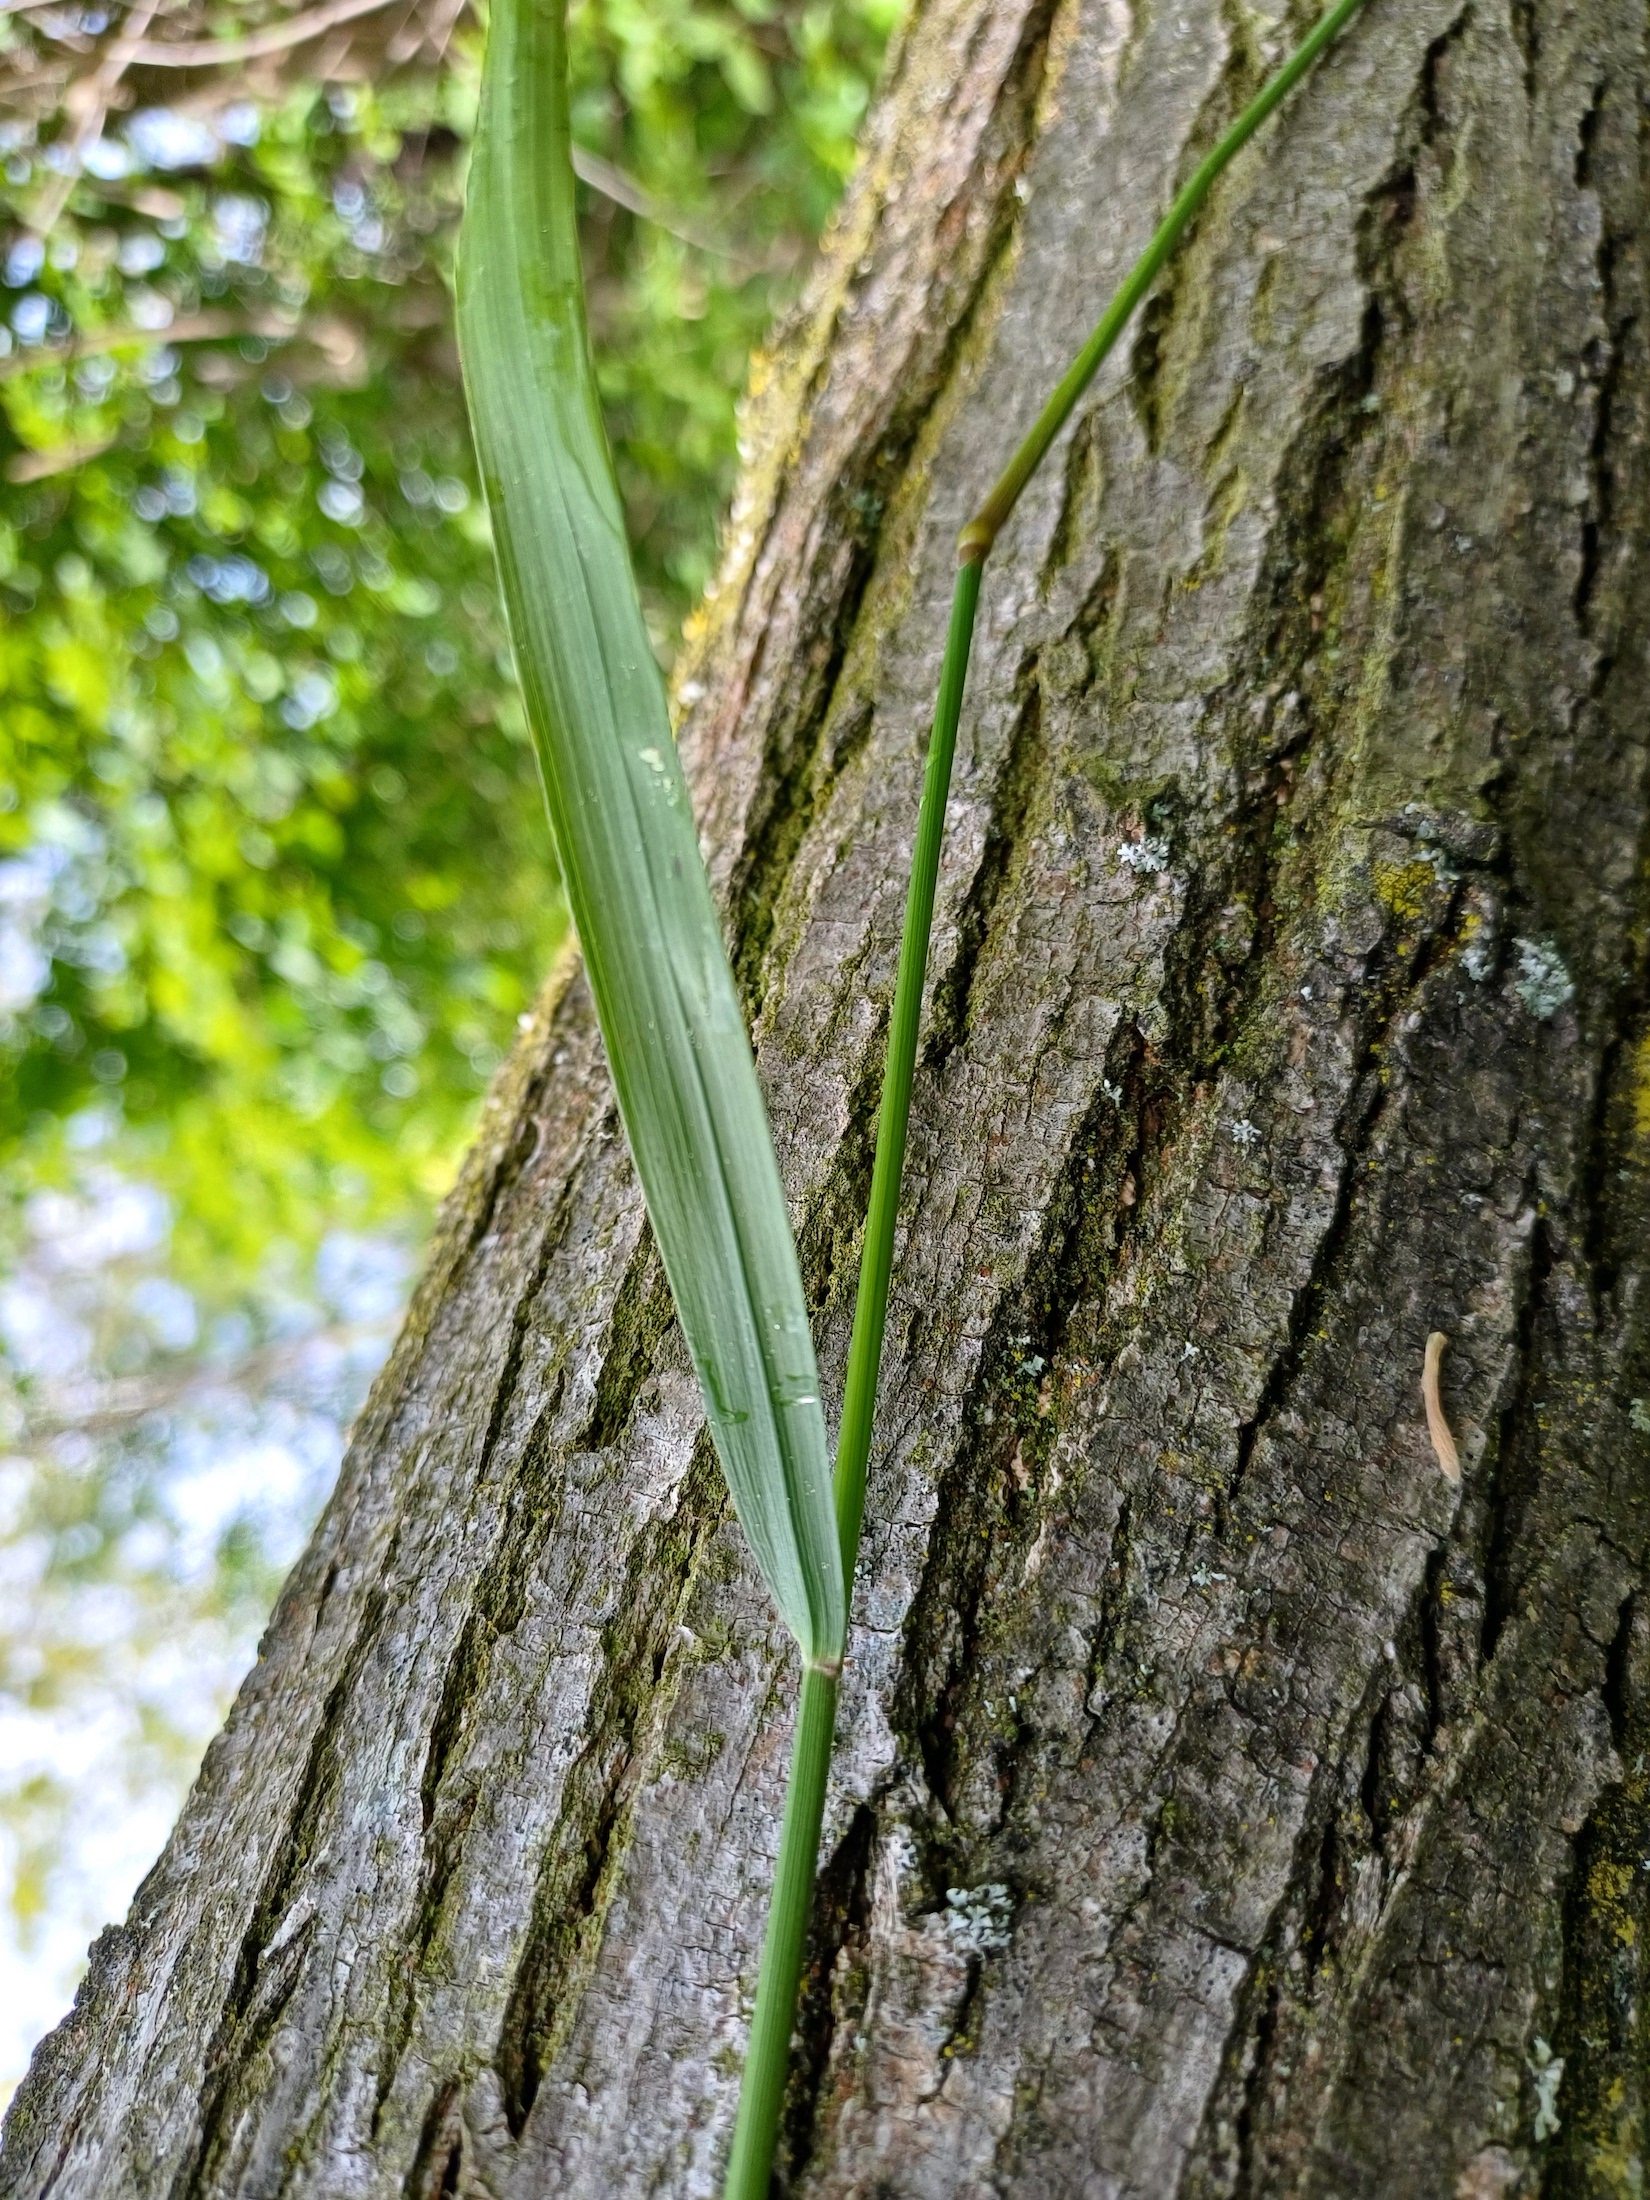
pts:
pixel 1228 1803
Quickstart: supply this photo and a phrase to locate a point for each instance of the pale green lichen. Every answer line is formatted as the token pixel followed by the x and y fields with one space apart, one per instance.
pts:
pixel 1147 856
pixel 1547 2074
pixel 1542 983
pixel 978 1918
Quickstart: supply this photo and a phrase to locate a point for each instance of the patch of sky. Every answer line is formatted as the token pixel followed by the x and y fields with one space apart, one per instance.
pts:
pixel 161 1464
pixel 160 138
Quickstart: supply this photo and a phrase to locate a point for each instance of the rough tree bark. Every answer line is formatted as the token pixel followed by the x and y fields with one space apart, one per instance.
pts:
pixel 1228 1804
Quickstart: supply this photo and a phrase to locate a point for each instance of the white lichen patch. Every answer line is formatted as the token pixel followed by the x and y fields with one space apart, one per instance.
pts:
pixel 1542 983
pixel 1147 856
pixel 977 1920
pixel 1547 2073
pixel 1638 1413
pixel 1244 1133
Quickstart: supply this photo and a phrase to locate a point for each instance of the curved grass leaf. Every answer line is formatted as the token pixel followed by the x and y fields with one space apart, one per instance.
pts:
pixel 676 1041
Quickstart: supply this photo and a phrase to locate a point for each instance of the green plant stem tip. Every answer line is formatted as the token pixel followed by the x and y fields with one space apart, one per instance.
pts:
pixel 762 2098
pixel 983 529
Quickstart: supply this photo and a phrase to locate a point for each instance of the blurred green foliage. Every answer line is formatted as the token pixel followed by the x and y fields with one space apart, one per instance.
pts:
pixel 274 876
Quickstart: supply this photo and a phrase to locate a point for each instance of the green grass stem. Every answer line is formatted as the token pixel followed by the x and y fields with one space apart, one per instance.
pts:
pixel 767 2059
pixel 876 1260
pixel 762 2097
pixel 983 529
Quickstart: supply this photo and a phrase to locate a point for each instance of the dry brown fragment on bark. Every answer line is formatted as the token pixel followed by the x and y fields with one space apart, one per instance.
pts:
pixel 1438 1428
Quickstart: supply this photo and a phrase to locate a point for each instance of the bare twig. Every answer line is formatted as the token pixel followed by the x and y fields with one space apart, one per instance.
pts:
pixel 91 96
pixel 103 1409
pixel 434 33
pixel 62 458
pixel 213 53
pixel 13 87
pixel 134 49
pixel 329 333
pixel 613 183
pixel 1443 1443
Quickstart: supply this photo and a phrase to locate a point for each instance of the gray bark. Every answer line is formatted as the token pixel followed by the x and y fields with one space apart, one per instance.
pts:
pixel 1227 1803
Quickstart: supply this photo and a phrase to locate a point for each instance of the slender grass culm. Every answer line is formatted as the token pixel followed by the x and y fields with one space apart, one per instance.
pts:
pixel 652 944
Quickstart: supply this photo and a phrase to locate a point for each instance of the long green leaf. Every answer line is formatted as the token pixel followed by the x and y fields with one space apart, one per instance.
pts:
pixel 670 1016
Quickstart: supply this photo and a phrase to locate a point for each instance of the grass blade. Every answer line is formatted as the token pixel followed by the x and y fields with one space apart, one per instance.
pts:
pixel 670 1016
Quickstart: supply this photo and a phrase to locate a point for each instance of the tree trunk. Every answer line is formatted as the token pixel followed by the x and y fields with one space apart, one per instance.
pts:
pixel 1229 1801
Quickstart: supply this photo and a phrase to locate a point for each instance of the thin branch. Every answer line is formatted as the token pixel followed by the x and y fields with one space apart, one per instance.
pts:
pixel 26 466
pixel 12 86
pixel 330 334
pixel 134 49
pixel 103 1409
pixel 92 94
pixel 613 183
pixel 213 53
pixel 435 33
